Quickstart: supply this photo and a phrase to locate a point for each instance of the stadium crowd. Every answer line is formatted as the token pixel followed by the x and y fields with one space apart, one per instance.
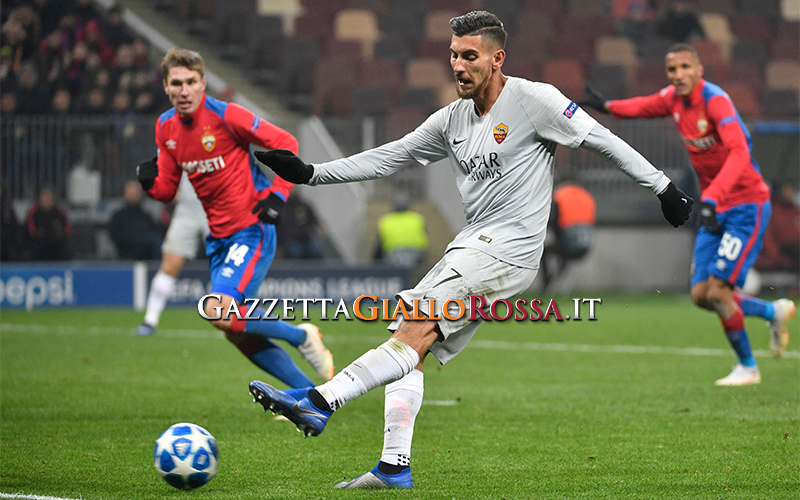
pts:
pixel 383 58
pixel 63 57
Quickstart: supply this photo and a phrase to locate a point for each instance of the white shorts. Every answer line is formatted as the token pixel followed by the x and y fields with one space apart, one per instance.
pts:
pixel 460 273
pixel 186 230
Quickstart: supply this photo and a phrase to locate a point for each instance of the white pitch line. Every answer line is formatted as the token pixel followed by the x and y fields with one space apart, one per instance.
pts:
pixel 618 349
pixel 439 402
pixel 374 339
pixel 34 497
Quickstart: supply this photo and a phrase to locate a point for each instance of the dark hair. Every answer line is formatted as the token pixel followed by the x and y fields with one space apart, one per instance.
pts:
pixel 480 22
pixel 684 47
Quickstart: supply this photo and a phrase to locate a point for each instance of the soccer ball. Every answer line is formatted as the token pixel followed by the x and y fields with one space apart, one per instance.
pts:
pixel 186 456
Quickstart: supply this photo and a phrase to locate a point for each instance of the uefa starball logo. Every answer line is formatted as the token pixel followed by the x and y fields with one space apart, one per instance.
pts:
pixel 571 108
pixel 371 308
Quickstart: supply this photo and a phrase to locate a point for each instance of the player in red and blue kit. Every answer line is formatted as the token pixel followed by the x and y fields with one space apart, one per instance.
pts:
pixel 734 209
pixel 210 140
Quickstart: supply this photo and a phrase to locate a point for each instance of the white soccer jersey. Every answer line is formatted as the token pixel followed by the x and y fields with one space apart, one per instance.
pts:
pixel 503 163
pixel 186 193
pixel 188 225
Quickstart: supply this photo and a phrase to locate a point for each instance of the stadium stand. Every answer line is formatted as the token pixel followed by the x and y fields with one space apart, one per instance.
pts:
pixel 349 50
pixel 427 73
pixel 544 36
pixel 724 7
pixel 566 74
pixel 314 23
pixel 395 46
pixel 385 59
pixel 286 10
pixel 429 48
pixel 611 81
pixel 436 24
pixel 561 41
pixel 264 32
pixel 360 25
pixel 718 29
pixel 402 22
pixel 383 73
pixel 783 75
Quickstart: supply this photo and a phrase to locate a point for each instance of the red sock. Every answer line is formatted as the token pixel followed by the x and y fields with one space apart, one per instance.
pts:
pixel 735 323
pixel 237 325
pixel 247 344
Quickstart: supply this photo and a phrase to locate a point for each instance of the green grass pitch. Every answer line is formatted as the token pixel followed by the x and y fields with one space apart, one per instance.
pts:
pixel 621 407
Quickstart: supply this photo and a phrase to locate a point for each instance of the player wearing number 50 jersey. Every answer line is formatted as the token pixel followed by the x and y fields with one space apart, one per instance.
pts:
pixel 734 206
pixel 500 139
pixel 210 141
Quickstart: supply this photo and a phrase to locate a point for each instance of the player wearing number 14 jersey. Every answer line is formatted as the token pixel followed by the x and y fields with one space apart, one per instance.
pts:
pixel 210 141
pixel 734 206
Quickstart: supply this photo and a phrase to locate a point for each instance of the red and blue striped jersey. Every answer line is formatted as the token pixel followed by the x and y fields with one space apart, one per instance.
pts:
pixel 718 142
pixel 213 146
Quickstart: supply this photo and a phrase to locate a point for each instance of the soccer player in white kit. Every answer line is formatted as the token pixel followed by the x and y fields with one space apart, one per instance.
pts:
pixel 500 138
pixel 187 229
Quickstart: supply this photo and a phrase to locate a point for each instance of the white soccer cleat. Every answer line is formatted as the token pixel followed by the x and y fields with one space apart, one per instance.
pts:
pixel 741 375
pixel 315 352
pixel 779 327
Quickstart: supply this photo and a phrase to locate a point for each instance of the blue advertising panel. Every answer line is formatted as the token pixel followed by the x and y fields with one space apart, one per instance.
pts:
pixel 82 284
pixel 32 286
pixel 293 281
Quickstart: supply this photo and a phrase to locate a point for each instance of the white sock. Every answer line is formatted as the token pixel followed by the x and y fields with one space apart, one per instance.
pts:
pixel 390 361
pixel 161 288
pixel 403 402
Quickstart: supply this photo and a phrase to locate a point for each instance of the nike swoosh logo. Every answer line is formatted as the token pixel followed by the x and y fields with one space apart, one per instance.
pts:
pixel 456 143
pixel 455 276
pixel 301 411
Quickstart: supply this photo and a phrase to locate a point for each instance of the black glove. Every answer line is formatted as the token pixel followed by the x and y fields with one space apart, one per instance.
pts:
pixel 676 205
pixel 593 99
pixel 287 165
pixel 269 209
pixel 146 172
pixel 708 217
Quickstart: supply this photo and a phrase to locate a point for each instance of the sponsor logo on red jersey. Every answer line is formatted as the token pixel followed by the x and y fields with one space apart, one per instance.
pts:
pixel 204 166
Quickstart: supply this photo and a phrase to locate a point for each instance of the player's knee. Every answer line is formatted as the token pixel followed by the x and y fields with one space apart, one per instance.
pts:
pixel 215 314
pixel 172 264
pixel 717 300
pixel 718 292
pixel 698 295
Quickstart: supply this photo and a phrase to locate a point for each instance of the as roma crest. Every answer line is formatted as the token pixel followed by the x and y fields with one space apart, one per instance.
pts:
pixel 208 140
pixel 500 133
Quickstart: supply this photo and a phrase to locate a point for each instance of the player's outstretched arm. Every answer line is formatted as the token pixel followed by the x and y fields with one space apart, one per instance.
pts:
pixel 424 145
pixel 675 204
pixel 592 98
pixel 287 165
